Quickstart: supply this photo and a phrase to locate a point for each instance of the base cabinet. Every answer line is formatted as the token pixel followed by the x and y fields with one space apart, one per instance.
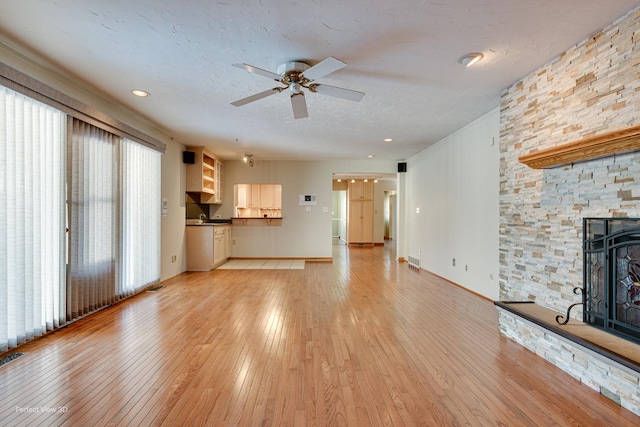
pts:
pixel 207 246
pixel 221 245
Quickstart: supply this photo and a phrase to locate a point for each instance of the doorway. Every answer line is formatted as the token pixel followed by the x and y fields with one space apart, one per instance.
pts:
pixel 339 217
pixel 389 215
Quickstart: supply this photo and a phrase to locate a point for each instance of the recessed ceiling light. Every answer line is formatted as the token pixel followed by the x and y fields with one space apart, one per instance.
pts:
pixel 471 58
pixel 371 156
pixel 140 93
pixel 388 139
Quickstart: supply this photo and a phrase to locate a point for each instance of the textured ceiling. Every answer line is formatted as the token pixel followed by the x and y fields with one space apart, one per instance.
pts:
pixel 403 54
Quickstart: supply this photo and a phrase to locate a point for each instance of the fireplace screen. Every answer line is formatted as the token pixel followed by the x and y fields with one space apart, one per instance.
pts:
pixel 611 292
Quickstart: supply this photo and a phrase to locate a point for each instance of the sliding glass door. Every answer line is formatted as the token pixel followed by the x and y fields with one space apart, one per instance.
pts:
pixel 79 218
pixel 32 218
pixel 92 203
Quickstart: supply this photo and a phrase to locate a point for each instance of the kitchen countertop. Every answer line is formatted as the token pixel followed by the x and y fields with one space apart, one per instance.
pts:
pixel 212 222
pixel 256 217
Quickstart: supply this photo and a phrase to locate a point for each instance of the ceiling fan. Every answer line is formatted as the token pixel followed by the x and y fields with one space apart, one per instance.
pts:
pixel 296 75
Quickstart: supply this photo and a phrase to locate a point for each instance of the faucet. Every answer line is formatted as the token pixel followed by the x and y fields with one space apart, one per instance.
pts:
pixel 202 216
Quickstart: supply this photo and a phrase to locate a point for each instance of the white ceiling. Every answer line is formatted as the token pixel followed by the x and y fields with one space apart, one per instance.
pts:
pixel 403 54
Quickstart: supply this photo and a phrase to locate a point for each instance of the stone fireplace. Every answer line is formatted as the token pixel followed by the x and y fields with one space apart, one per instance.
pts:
pixel 612 276
pixel 591 89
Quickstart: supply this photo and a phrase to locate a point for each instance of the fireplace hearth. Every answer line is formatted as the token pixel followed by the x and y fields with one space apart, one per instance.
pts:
pixel 611 286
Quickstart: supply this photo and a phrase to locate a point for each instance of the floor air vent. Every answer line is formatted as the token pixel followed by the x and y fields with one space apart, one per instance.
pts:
pixel 10 358
pixel 414 262
pixel 154 289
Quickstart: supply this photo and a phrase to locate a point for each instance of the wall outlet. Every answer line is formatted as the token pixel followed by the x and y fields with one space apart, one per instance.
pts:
pixel 233 241
pixel 466 267
pixel 174 258
pixel 454 262
pixel 419 251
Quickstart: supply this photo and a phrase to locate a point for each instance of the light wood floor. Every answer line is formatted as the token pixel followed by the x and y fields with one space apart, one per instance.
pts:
pixel 362 341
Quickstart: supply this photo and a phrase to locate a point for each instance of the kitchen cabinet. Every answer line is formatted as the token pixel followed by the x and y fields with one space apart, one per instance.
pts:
pixel 255 195
pixel 221 244
pixel 205 176
pixel 218 181
pixel 242 195
pixel 208 246
pixel 360 213
pixel 248 195
pixel 258 200
pixel 270 196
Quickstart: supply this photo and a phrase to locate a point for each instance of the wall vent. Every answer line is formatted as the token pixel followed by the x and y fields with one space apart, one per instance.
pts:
pixel 414 262
pixel 10 358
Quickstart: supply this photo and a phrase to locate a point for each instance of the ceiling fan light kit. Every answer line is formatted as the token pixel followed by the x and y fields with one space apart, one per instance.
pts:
pixel 295 76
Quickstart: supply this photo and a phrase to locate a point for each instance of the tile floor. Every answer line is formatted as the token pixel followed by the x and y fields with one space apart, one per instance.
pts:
pixel 256 264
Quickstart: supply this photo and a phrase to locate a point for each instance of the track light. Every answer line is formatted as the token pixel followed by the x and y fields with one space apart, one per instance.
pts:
pixel 248 159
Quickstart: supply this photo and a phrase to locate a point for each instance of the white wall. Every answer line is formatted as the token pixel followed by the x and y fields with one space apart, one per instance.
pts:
pixel 302 234
pixel 455 186
pixel 173 224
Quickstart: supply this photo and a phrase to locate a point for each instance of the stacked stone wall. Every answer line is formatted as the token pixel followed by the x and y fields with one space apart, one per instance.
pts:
pixel 591 89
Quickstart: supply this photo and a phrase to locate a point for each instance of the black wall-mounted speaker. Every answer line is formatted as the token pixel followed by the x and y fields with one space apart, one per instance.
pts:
pixel 402 167
pixel 189 157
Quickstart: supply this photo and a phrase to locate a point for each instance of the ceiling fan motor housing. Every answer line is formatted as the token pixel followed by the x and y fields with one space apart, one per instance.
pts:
pixel 292 76
pixel 289 67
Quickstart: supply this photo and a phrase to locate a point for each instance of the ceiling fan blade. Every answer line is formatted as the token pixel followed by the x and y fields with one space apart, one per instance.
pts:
pixel 260 71
pixel 299 106
pixel 338 92
pixel 256 97
pixel 323 68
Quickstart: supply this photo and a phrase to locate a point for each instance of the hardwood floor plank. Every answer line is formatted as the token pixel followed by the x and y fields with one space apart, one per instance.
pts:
pixel 360 341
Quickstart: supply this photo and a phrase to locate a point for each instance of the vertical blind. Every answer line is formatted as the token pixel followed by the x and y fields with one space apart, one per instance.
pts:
pixel 140 204
pixel 79 218
pixel 92 185
pixel 32 218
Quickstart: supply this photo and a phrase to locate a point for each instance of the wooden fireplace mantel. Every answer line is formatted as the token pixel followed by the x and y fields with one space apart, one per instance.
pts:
pixel 593 147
